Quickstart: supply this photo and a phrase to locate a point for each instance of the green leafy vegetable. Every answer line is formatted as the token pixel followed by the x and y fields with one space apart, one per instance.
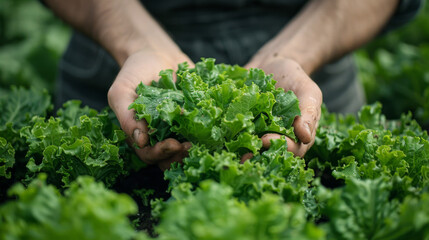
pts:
pixel 275 171
pixel 211 213
pixel 363 210
pixel 374 148
pixel 216 106
pixel 7 158
pixel 69 151
pixel 86 211
pixel 17 108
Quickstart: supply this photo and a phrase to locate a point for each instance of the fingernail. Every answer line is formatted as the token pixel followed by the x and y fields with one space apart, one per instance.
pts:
pixel 307 126
pixel 136 135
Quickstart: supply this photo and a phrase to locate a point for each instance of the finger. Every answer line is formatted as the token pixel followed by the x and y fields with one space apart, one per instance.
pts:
pixel 298 149
pixel 190 63
pixel 251 64
pixel 120 97
pixel 161 151
pixel 246 157
pixel 178 157
pixel 310 98
pixel 185 150
pixel 266 139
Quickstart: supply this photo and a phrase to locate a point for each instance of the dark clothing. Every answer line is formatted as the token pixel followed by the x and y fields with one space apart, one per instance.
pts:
pixel 231 31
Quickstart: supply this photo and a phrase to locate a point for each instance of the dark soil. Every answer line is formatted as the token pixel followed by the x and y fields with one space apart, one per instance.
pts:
pixel 150 177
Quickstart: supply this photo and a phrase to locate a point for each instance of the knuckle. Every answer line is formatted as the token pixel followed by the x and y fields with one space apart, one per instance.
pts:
pixel 313 113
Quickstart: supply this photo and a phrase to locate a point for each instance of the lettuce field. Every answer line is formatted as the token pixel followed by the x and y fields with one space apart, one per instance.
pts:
pixel 69 173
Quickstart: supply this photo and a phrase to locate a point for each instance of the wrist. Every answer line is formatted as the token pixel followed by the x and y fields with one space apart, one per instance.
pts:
pixel 309 62
pixel 129 45
pixel 130 29
pixel 115 26
pixel 289 49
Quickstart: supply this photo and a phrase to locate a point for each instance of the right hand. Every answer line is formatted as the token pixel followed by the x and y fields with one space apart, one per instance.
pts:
pixel 144 66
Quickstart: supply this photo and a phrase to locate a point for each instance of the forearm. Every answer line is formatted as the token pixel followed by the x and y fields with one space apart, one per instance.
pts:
pixel 121 27
pixel 327 29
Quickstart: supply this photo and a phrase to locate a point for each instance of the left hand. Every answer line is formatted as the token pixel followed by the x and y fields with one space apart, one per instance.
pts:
pixel 290 76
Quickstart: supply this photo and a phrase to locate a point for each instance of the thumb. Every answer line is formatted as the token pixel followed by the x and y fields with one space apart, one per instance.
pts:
pixel 252 64
pixel 120 96
pixel 310 98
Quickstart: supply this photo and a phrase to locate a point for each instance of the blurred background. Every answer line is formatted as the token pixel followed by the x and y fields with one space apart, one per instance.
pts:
pixel 394 68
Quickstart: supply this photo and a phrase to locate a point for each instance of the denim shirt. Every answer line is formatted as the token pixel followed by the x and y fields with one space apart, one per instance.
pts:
pixel 231 31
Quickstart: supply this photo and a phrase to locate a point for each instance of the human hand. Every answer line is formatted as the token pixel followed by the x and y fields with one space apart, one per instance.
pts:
pixel 290 76
pixel 144 66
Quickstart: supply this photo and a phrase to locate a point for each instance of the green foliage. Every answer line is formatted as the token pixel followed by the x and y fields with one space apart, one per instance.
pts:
pixel 79 141
pixel 399 80
pixel 363 210
pixel 18 106
pixel 364 178
pixel 216 106
pixel 381 166
pixel 275 171
pixel 31 43
pixel 66 148
pixel 86 211
pixel 7 158
pixel 372 148
pixel 394 70
pixel 212 213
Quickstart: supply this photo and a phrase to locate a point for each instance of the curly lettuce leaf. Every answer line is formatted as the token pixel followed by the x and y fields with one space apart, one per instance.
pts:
pixel 372 147
pixel 363 209
pixel 275 170
pixel 71 111
pixel 7 158
pixel 212 213
pixel 66 148
pixel 17 108
pixel 20 105
pixel 214 105
pixel 86 211
pixel 146 104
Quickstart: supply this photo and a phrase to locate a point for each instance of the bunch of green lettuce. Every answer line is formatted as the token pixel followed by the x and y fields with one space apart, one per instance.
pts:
pixel 77 141
pixel 372 148
pixel 73 144
pixel 218 106
pixel 86 211
pixel 365 209
pixel 211 212
pixel 17 107
pixel 275 171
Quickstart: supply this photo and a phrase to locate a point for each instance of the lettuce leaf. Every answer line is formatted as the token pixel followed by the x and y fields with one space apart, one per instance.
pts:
pixel 372 147
pixel 66 147
pixel 216 105
pixel 363 209
pixel 275 170
pixel 17 108
pixel 7 158
pixel 86 211
pixel 212 213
